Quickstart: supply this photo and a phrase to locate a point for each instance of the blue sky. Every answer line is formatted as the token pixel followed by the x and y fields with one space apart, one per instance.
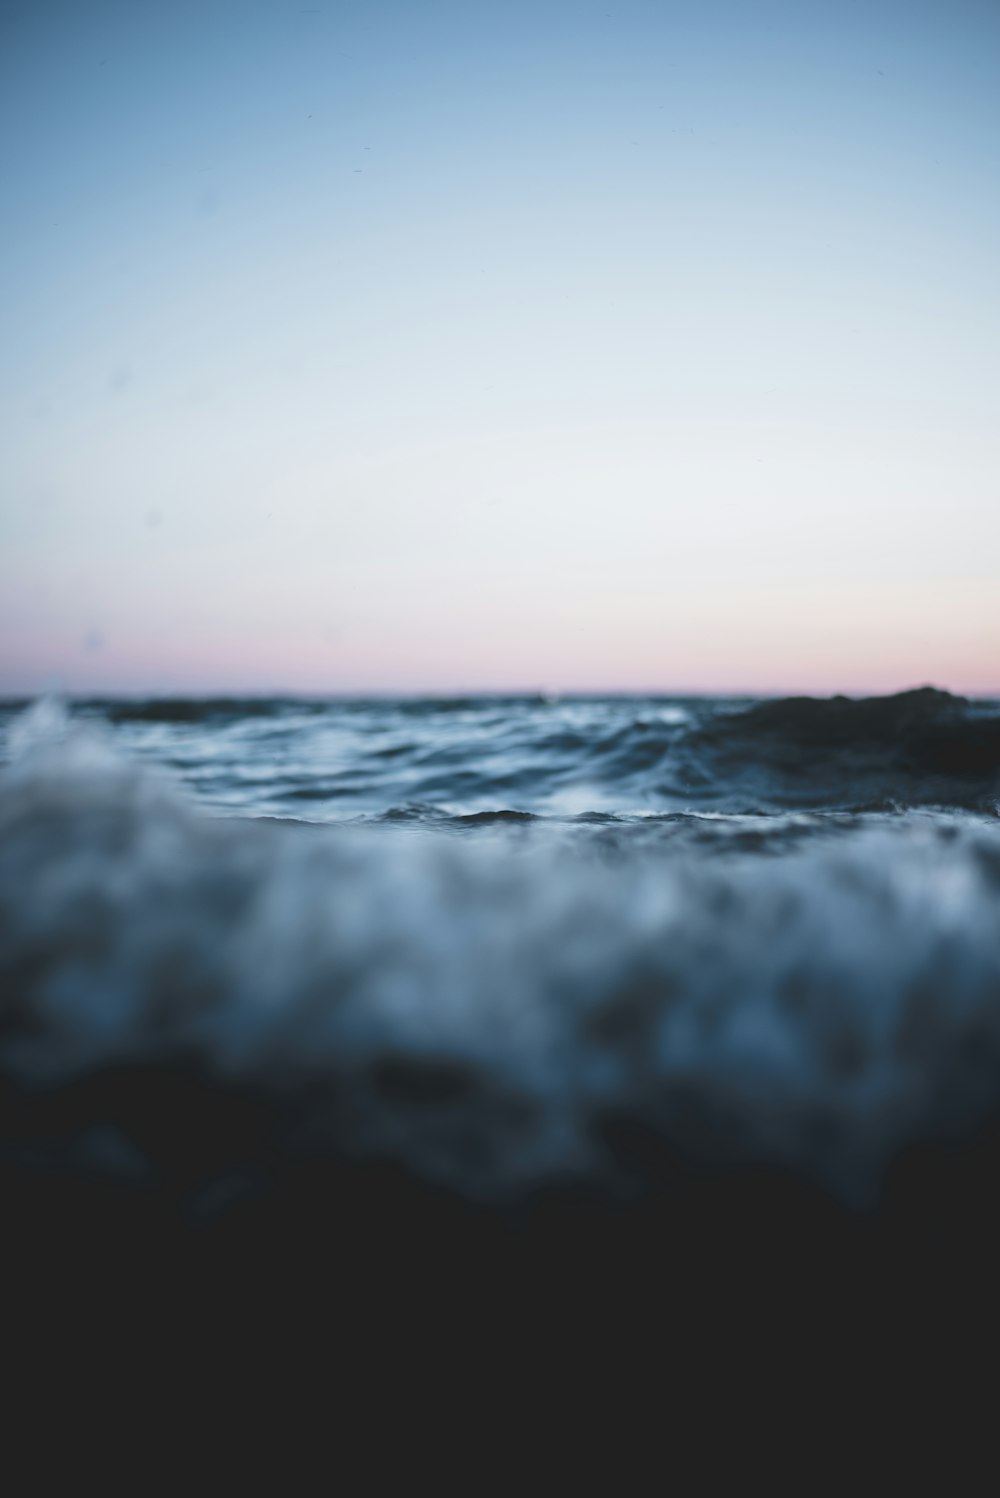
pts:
pixel 439 346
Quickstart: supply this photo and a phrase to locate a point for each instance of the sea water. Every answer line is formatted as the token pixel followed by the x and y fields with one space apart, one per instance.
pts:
pixel 506 944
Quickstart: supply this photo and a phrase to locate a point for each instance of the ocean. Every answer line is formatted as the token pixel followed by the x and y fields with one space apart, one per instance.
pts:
pixel 603 996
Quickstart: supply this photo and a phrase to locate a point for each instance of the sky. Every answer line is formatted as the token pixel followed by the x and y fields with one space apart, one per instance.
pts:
pixel 450 346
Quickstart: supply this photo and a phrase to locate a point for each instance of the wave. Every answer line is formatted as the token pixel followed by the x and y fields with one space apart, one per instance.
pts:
pixel 922 733
pixel 499 1014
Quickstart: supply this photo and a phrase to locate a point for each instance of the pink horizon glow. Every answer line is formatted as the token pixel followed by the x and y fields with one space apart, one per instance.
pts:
pixel 319 672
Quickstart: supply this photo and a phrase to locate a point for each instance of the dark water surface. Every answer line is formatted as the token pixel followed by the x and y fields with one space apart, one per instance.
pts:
pixel 426 760
pixel 589 998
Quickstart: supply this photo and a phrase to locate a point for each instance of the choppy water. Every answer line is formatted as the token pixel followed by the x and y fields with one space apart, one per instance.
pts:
pixel 534 941
pixel 428 760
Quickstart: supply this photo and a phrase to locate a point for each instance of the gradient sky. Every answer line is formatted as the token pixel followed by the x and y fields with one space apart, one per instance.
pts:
pixel 443 346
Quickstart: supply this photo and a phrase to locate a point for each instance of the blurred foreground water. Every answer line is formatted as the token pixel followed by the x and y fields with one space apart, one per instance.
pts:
pixel 598 1019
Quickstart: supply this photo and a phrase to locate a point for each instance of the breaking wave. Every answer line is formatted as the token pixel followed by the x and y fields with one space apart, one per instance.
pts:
pixel 500 1013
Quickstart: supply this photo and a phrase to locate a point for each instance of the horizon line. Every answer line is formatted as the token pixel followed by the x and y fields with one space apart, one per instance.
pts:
pixel 505 694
